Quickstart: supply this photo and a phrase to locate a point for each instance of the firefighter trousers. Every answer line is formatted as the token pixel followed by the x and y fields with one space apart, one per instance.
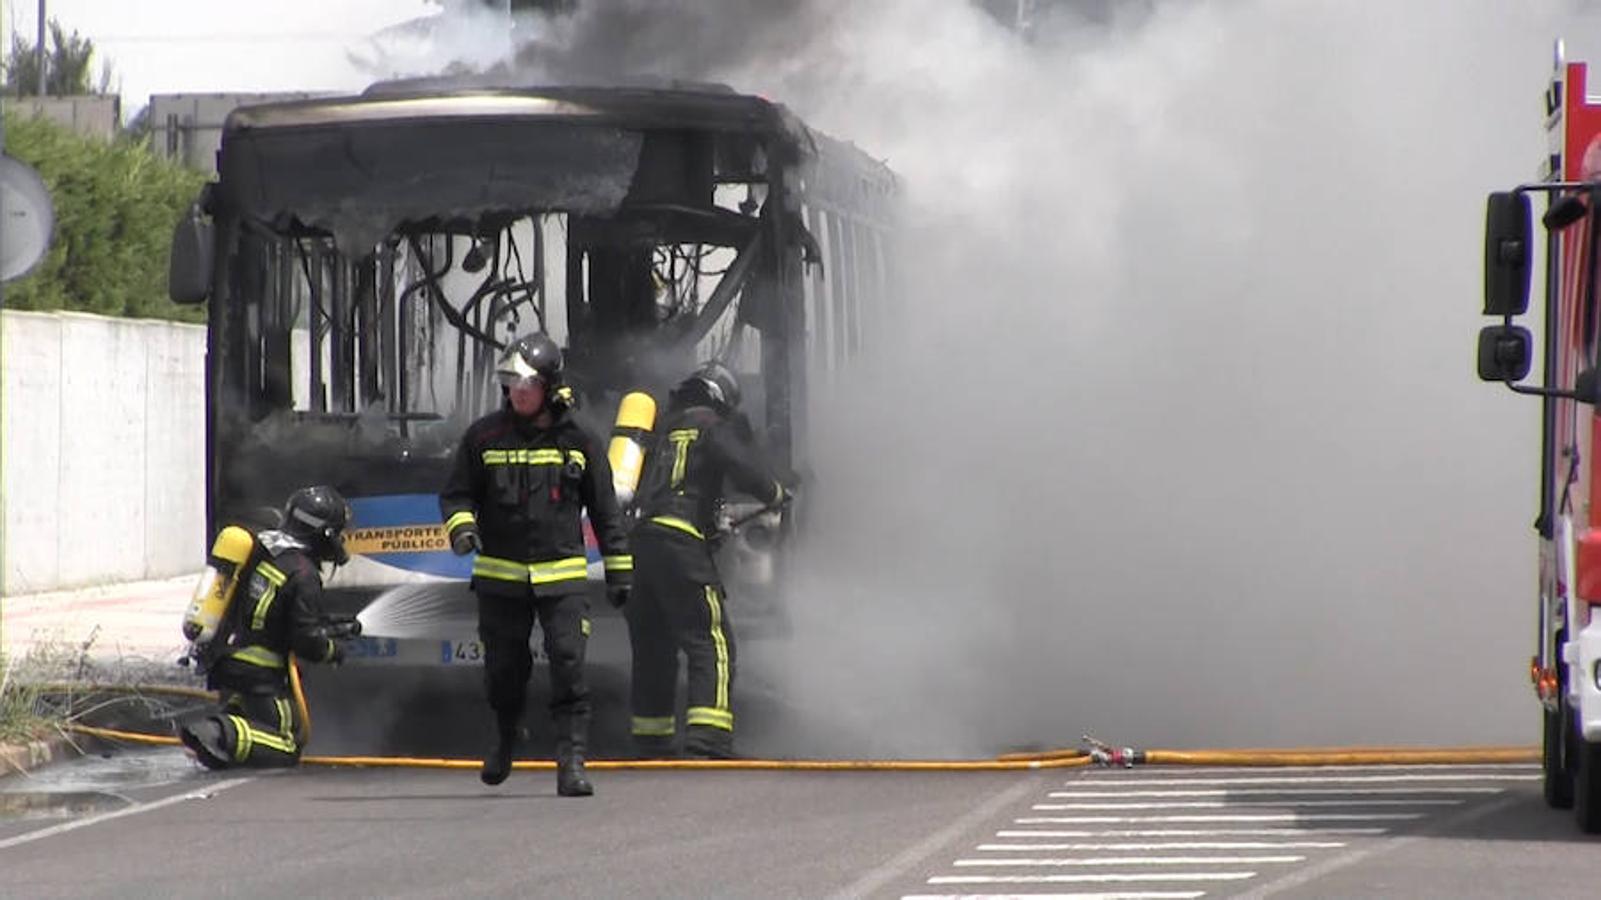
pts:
pixel 670 611
pixel 505 624
pixel 254 729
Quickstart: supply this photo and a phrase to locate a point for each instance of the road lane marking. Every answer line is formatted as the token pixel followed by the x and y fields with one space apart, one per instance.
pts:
pixel 205 793
pixel 917 853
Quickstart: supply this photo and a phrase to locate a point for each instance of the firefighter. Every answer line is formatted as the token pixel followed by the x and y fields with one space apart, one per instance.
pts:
pixel 703 442
pixel 276 610
pixel 522 477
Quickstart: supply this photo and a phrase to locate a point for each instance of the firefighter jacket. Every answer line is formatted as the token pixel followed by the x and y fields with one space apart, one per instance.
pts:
pixel 684 477
pixel 523 490
pixel 277 610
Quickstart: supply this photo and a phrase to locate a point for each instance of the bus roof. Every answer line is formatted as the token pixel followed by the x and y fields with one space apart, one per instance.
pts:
pixel 699 107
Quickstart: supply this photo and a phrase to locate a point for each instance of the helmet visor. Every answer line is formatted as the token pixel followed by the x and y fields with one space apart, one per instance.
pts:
pixel 512 381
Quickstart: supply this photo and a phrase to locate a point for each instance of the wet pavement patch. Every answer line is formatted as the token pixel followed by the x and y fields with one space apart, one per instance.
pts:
pixel 15 805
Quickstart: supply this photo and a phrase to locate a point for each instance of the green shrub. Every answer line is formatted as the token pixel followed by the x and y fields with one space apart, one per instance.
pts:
pixel 116 204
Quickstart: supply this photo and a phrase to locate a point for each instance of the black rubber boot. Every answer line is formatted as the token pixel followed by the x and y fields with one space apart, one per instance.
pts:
pixel 572 739
pixel 204 738
pixel 654 746
pixel 497 765
pixel 703 742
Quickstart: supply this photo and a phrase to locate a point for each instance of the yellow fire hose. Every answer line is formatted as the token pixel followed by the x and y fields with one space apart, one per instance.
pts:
pixel 1044 759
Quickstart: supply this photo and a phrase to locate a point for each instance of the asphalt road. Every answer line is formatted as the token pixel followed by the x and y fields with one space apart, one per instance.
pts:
pixel 149 824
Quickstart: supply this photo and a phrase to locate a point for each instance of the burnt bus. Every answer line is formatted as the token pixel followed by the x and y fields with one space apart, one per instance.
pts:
pixel 364 259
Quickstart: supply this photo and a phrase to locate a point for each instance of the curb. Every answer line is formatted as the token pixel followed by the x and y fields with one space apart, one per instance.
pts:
pixel 19 759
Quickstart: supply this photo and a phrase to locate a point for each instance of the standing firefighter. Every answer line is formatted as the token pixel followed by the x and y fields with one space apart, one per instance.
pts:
pixel 679 604
pixel 523 476
pixel 261 600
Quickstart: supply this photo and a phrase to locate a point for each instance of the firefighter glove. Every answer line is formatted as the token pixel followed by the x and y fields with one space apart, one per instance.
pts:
pixel 466 541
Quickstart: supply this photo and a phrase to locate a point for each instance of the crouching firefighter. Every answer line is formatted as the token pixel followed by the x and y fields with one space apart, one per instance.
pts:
pixel 260 600
pixel 521 479
pixel 679 601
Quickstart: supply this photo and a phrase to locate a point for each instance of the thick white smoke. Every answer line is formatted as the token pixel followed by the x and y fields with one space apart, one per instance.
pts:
pixel 1181 443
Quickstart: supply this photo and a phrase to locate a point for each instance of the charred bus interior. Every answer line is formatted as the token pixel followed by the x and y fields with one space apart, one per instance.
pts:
pixel 370 255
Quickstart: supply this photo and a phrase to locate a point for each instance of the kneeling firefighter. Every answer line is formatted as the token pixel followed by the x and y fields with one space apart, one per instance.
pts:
pixel 521 480
pixel 259 601
pixel 679 601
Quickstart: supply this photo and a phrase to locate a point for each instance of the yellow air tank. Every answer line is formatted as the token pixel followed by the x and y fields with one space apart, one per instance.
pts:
pixel 636 416
pixel 229 553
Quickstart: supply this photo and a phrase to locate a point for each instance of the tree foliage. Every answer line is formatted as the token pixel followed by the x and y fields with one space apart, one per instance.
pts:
pixel 71 59
pixel 116 204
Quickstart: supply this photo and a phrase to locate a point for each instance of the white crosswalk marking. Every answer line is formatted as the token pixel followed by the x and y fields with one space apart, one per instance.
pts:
pixel 1274 792
pixel 1173 845
pixel 1118 895
pixel 1179 832
pixel 1188 835
pixel 1224 804
pixel 1091 877
pixel 1254 817
pixel 1136 861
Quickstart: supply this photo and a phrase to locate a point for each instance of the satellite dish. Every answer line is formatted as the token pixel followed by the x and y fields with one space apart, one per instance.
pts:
pixel 27 218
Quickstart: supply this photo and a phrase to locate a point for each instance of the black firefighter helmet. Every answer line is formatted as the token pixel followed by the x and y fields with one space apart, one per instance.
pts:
pixel 317 516
pixel 530 356
pixel 713 384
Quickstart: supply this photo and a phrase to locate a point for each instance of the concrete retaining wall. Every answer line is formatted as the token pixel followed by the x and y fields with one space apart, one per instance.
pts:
pixel 102 471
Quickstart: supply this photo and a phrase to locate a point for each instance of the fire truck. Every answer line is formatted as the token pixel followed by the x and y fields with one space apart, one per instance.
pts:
pixel 1566 665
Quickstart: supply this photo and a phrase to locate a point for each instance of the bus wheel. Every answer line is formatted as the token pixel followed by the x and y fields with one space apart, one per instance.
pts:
pixel 1587 789
pixel 1554 758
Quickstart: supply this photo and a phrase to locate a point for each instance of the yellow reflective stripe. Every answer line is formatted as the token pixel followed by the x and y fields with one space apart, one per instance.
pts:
pixel 560 570
pixel 274 577
pixel 526 457
pixel 681 525
pixel 499 569
pixel 654 726
pixel 465 517
pixel 623 563
pixel 720 641
pixel 283 715
pixel 283 743
pixel 241 743
pixel 583 626
pixel 705 715
pixel 571 568
pixel 681 439
pixel 578 456
pixel 258 655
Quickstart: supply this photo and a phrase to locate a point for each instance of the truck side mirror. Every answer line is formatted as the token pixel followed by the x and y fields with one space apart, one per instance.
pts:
pixel 1507 253
pixel 1505 353
pixel 1587 387
pixel 189 266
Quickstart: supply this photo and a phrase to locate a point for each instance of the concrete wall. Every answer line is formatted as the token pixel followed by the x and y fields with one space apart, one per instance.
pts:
pixel 102 471
pixel 91 115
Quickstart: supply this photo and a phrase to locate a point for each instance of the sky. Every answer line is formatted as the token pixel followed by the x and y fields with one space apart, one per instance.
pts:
pixel 172 46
